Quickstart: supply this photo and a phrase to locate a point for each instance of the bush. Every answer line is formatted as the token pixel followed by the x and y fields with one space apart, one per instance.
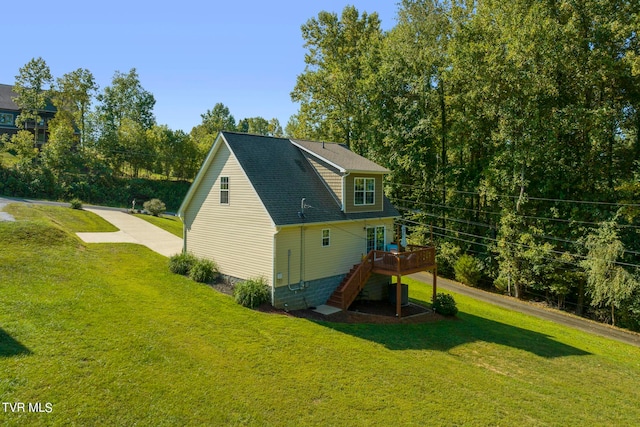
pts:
pixel 203 271
pixel 445 305
pixel 252 293
pixel 468 270
pixel 182 263
pixel 446 256
pixel 155 207
pixel 76 204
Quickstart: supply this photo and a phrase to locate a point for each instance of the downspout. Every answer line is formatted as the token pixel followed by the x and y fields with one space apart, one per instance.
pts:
pixel 274 279
pixel 344 191
pixel 301 284
pixel 184 234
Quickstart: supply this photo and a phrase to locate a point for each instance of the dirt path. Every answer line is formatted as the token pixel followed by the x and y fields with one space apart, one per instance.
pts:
pixel 533 310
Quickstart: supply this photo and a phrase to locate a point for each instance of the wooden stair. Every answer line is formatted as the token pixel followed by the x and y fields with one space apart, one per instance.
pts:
pixel 352 284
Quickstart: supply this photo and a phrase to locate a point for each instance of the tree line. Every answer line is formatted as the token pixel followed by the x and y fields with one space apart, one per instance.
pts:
pixel 512 132
pixel 98 139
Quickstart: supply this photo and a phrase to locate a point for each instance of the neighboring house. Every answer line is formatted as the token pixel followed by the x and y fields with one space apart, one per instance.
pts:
pixel 298 213
pixel 9 110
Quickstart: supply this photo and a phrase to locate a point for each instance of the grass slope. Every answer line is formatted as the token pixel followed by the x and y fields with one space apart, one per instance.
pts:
pixel 73 220
pixel 108 336
pixel 169 223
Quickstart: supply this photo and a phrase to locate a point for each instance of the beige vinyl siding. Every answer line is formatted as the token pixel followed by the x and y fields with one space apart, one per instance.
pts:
pixel 348 245
pixel 330 175
pixel 238 235
pixel 350 206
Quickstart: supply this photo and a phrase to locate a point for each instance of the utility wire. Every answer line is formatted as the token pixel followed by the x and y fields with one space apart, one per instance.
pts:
pixel 621 263
pixel 569 221
pixel 593 202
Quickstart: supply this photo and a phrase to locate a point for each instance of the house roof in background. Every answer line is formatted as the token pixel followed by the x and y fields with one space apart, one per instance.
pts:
pixel 7 103
pixel 339 156
pixel 282 177
pixel 6 93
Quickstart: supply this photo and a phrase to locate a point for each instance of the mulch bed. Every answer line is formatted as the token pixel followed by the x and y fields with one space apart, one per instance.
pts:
pixel 372 312
pixel 361 311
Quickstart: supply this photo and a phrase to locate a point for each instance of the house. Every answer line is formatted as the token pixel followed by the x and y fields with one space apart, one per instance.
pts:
pixel 301 214
pixel 9 111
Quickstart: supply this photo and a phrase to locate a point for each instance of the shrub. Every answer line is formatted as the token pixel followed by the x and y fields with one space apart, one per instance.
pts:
pixel 252 293
pixel 155 207
pixel 446 256
pixel 445 305
pixel 182 263
pixel 203 271
pixel 76 203
pixel 468 270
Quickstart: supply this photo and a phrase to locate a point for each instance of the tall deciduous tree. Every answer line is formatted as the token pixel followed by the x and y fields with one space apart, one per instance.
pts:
pixel 213 121
pixel 608 283
pixel 74 93
pixel 126 98
pixel 32 88
pixel 124 103
pixel 332 91
pixel 176 153
pixel 260 126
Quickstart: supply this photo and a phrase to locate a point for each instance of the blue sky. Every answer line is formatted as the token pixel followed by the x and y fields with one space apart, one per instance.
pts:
pixel 190 54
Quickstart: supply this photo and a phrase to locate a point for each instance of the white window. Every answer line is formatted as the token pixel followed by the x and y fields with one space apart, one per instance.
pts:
pixel 376 238
pixel 364 191
pixel 326 237
pixel 224 190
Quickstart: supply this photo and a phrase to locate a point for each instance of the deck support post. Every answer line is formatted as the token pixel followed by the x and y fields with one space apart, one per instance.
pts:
pixel 399 296
pixel 435 283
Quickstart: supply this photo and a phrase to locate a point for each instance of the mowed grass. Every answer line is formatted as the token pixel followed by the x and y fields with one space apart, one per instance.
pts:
pixel 71 220
pixel 169 223
pixel 109 337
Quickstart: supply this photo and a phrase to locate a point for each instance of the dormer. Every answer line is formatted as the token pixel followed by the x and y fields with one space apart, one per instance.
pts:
pixel 354 181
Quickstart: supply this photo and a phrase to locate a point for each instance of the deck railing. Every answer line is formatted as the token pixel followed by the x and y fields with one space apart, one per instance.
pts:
pixel 414 259
pixel 356 281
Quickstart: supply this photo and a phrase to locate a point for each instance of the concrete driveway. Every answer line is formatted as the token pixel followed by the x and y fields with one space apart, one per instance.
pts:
pixel 133 230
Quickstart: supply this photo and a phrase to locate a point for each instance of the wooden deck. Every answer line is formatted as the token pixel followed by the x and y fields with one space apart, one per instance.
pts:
pixel 413 260
pixel 409 261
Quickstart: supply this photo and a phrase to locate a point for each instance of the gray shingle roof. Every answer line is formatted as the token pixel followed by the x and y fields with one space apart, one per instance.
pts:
pixel 282 177
pixel 6 101
pixel 6 93
pixel 340 156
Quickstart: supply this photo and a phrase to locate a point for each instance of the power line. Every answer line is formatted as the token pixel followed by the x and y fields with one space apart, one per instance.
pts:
pixel 593 202
pixel 569 221
pixel 620 263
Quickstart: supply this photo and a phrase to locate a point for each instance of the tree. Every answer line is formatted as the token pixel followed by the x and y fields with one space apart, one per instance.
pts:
pixel 213 121
pixel 126 98
pixel 32 93
pixel 332 90
pixel 138 150
pixel 125 103
pixel 608 283
pixel 274 128
pixel 22 144
pixel 254 125
pixel 260 126
pixel 61 153
pixel 523 260
pixel 176 153
pixel 410 102
pixel 73 93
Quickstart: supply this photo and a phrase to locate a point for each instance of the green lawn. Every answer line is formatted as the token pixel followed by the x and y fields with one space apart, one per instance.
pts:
pixel 109 337
pixel 172 224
